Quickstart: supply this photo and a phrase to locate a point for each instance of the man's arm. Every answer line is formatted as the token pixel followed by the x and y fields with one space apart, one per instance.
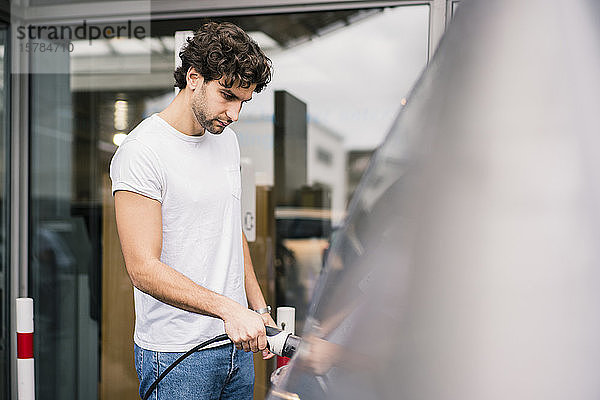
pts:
pixel 254 295
pixel 139 223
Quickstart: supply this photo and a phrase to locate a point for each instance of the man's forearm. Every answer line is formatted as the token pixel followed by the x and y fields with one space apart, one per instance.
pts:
pixel 172 287
pixel 254 294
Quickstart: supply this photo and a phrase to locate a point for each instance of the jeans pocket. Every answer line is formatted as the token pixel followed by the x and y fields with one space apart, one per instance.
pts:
pixel 235 182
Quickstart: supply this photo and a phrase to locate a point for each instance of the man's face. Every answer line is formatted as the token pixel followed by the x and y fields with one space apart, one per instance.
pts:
pixel 216 106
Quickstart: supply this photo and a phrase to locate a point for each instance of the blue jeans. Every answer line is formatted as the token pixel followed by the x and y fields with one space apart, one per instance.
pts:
pixel 217 373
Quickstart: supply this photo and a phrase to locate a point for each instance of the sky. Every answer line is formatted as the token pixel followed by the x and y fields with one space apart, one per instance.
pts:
pixel 353 78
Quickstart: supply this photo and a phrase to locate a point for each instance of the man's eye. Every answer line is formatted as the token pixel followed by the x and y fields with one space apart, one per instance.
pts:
pixel 228 96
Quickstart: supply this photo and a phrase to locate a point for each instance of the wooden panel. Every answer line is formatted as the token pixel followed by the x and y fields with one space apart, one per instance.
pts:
pixel 118 379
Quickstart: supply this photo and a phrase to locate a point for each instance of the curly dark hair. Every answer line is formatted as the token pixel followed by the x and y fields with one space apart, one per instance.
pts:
pixel 224 50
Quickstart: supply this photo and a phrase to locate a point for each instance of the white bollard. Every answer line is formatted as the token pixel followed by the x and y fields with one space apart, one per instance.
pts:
pixel 25 362
pixel 286 319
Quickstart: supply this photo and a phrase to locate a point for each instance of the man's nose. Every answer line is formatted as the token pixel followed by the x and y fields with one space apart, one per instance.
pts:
pixel 233 111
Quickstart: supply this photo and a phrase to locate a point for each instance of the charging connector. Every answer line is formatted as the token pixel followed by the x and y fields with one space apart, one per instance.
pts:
pixel 282 343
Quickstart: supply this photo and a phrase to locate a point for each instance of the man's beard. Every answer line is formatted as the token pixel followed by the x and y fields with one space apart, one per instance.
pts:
pixel 199 110
pixel 208 124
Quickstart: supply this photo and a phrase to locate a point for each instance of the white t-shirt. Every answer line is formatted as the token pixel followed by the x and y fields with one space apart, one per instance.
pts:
pixel 197 181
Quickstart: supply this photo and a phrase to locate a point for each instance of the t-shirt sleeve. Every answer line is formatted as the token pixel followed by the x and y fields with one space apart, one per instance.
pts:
pixel 136 168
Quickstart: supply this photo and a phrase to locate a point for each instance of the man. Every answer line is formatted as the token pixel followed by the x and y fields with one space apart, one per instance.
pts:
pixel 176 182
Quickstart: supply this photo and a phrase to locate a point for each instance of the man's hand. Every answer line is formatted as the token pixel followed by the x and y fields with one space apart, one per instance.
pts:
pixel 268 321
pixel 246 329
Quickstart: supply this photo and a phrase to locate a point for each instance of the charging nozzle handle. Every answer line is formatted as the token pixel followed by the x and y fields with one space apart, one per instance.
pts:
pixel 281 342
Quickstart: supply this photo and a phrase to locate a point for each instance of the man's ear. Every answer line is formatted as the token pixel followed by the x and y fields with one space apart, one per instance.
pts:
pixel 193 78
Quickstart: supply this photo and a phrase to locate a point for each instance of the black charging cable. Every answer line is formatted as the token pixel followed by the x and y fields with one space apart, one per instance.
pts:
pixel 279 342
pixel 216 339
